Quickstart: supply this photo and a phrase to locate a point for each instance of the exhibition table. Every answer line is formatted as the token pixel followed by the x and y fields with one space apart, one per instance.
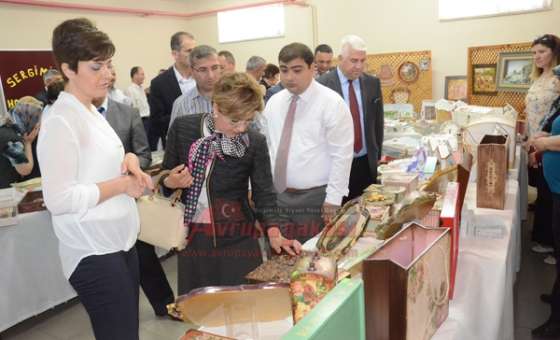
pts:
pixel 489 254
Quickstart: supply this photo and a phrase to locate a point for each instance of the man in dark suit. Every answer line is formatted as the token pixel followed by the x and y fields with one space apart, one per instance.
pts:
pixel 362 93
pixel 169 85
pixel 51 76
pixel 126 122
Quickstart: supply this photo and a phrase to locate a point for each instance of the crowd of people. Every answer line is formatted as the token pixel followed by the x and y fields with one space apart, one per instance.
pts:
pixel 270 152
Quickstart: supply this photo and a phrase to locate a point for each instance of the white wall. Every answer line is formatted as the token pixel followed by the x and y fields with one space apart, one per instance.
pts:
pixel 387 26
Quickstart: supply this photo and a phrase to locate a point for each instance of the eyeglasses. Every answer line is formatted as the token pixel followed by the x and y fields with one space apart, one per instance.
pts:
pixel 214 68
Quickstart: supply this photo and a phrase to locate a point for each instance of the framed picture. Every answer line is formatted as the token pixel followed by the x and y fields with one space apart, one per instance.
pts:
pixel 408 72
pixel 514 71
pixel 484 79
pixel 456 88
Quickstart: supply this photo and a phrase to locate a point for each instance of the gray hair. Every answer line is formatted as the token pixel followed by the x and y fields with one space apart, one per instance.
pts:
pixel 51 73
pixel 254 63
pixel 352 42
pixel 201 52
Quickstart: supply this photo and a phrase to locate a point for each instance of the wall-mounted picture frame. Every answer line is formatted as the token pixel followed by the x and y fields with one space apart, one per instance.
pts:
pixel 514 71
pixel 409 72
pixel 484 79
pixel 456 88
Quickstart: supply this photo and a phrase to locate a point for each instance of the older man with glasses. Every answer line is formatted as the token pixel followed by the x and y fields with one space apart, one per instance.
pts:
pixel 206 72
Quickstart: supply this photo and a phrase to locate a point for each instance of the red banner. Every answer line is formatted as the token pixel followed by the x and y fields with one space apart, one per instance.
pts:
pixel 22 72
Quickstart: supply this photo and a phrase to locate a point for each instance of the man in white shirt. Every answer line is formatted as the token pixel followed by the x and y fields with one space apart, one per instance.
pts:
pixel 137 95
pixel 115 93
pixel 310 138
pixel 169 85
pixel 206 72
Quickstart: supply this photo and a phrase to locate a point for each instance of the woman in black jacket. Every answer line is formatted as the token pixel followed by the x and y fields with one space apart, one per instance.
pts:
pixel 214 158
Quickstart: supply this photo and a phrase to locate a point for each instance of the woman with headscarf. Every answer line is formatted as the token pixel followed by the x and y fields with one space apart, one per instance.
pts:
pixel 17 133
pixel 214 157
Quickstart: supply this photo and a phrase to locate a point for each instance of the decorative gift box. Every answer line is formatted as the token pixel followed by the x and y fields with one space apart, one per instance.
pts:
pixel 492 169
pixel 31 202
pixel 451 218
pixel 406 285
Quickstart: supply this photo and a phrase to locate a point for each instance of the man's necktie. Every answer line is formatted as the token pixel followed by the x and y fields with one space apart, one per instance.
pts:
pixel 281 165
pixel 355 110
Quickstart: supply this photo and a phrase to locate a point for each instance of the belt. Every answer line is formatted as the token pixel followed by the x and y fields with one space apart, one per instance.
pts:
pixel 294 190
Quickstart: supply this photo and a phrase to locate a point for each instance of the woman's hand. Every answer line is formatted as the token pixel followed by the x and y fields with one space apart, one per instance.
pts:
pixel 133 187
pixel 179 177
pixel 28 138
pixel 540 143
pixel 278 242
pixel 131 165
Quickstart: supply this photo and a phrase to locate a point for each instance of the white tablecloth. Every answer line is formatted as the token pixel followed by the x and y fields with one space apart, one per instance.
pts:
pixel 489 257
pixel 31 279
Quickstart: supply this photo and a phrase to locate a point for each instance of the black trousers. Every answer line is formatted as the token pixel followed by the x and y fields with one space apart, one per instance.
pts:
pixel 555 305
pixel 146 123
pixel 152 278
pixel 157 130
pixel 107 286
pixel 361 176
pixel 542 224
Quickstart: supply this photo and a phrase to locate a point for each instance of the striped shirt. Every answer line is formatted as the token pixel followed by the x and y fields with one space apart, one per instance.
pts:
pixel 190 103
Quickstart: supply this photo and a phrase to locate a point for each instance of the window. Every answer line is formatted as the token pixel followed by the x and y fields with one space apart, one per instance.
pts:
pixel 251 23
pixel 456 9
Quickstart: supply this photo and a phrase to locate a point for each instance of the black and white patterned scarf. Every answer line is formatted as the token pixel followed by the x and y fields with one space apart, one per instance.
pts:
pixel 202 154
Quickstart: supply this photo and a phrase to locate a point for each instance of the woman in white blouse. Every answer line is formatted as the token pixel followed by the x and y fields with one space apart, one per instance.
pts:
pixel 89 185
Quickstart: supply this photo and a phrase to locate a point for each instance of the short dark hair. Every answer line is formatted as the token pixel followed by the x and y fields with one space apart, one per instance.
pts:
pixel 134 70
pixel 271 71
pixel 177 38
pixel 201 52
pixel 294 51
pixel 228 55
pixel 323 48
pixel 54 89
pixel 78 40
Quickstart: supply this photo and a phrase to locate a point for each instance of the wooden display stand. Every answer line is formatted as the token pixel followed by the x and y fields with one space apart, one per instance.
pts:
pixel 484 55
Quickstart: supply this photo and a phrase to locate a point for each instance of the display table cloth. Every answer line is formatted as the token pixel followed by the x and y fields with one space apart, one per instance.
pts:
pixel 31 280
pixel 489 257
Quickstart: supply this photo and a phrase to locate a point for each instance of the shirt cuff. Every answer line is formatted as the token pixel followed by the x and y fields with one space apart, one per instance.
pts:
pixel 92 194
pixel 334 197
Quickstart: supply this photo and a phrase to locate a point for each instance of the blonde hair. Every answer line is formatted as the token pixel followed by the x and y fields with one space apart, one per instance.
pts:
pixel 238 96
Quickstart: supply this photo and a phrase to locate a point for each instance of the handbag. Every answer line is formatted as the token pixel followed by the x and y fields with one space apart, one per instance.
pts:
pixel 161 219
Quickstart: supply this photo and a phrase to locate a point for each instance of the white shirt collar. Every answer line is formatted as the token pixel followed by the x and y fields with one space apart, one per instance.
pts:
pixel 179 76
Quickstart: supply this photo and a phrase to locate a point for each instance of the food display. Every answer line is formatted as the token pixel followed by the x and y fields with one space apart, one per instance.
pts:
pixel 277 269
pixel 313 277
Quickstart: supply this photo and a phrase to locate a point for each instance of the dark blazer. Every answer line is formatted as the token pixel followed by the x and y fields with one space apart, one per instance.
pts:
pixel 227 182
pixel 372 101
pixel 126 122
pixel 42 97
pixel 164 89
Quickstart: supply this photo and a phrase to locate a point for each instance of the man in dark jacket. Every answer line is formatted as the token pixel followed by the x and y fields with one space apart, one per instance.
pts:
pixel 169 85
pixel 362 93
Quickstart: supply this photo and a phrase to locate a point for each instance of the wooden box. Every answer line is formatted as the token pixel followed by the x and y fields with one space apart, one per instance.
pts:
pixel 451 218
pixel 492 170
pixel 406 285
pixel 31 202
